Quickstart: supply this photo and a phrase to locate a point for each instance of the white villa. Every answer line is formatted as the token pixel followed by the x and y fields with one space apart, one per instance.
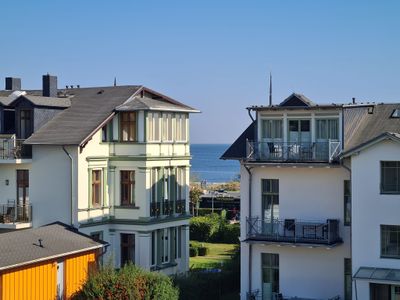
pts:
pixel 111 161
pixel 320 201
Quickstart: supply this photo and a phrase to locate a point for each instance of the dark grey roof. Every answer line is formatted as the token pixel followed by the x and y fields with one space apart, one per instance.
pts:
pixel 361 126
pixel 237 150
pixel 47 101
pixel 22 247
pixel 384 136
pixel 89 108
pixel 145 103
pixel 297 100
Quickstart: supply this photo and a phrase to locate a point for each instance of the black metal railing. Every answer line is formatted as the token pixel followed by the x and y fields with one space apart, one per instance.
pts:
pixel 12 148
pixel 167 208
pixel 180 207
pixel 293 231
pixel 293 152
pixel 15 213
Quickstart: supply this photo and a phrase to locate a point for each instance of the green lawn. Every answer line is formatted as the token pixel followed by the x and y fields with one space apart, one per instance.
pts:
pixel 219 253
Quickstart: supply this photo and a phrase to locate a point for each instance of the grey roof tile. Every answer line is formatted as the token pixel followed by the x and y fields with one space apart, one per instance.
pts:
pixel 22 247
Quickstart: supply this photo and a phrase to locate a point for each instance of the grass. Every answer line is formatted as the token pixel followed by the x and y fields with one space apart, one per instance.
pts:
pixel 219 253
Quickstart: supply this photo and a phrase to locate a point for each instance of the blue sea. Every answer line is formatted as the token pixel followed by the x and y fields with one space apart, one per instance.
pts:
pixel 206 164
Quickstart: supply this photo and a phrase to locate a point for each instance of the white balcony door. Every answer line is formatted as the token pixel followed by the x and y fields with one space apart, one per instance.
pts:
pixel 299 131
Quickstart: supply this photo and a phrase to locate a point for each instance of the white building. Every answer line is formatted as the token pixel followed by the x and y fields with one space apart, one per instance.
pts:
pixel 296 193
pixel 111 161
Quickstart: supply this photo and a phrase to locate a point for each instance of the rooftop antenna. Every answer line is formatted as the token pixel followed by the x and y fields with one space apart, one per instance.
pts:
pixel 270 89
pixel 115 81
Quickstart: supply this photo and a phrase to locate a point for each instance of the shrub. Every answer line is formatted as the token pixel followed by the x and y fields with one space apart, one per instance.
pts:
pixel 203 251
pixel 203 228
pixel 231 233
pixel 193 251
pixel 130 282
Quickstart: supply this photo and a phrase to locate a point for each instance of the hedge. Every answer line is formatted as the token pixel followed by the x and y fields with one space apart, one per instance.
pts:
pixel 203 251
pixel 214 228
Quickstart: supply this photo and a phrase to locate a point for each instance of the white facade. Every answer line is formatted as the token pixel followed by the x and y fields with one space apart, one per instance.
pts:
pixel 305 193
pixel 371 209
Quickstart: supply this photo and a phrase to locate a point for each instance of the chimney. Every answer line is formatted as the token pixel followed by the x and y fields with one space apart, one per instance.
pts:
pixel 354 100
pixel 49 86
pixel 13 84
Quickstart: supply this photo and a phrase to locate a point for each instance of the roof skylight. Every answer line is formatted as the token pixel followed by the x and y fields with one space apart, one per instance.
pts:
pixel 396 113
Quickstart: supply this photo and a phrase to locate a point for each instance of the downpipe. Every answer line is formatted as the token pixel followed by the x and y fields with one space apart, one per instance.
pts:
pixel 248 169
pixel 71 183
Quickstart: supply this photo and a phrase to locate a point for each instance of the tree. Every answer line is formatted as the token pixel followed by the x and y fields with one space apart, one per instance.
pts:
pixel 194 195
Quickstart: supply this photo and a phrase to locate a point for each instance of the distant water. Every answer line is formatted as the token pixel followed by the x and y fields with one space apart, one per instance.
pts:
pixel 206 164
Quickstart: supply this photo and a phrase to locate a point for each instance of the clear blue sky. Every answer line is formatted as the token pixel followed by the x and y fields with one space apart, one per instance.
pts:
pixel 213 55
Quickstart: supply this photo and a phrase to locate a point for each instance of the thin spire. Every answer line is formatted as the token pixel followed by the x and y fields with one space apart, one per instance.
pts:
pixel 115 81
pixel 270 89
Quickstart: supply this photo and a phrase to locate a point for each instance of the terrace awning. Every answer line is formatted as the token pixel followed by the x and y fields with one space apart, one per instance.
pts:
pixel 381 274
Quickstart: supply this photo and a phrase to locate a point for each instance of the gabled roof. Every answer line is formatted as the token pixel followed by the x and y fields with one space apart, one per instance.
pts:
pixel 146 103
pixel 365 123
pixel 382 137
pixel 237 150
pixel 20 248
pixel 91 107
pixel 297 100
pixel 43 101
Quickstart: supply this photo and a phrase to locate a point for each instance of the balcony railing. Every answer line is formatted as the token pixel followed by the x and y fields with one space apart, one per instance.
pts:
pixel 293 152
pixel 10 213
pixel 167 208
pixel 293 231
pixel 12 148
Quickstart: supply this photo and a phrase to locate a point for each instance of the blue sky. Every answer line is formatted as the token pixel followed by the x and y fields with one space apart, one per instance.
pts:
pixel 213 55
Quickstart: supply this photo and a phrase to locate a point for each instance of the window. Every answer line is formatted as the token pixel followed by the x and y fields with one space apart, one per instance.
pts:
pixel 178 242
pixel 127 248
pixel 270 274
pixel 270 199
pixel 96 188
pixel 347 279
pixel 22 187
pixel 327 129
pixel 128 126
pixel 390 177
pixel 153 127
pixel 127 188
pixel 153 247
pixel 25 128
pixel 181 128
pixel 395 113
pixel 271 129
pixel 165 245
pixel 347 203
pixel 390 241
pixel 180 184
pixel 167 127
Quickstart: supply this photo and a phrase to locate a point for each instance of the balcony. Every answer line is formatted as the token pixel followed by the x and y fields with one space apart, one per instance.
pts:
pixel 291 231
pixel 15 216
pixel 324 152
pixel 167 208
pixel 12 148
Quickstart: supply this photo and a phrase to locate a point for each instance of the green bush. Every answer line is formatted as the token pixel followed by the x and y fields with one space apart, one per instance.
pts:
pixel 130 282
pixel 203 251
pixel 230 234
pixel 193 251
pixel 203 228
pixel 203 212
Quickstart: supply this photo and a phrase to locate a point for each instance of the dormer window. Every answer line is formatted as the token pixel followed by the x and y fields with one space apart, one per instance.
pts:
pixel 128 126
pixel 396 113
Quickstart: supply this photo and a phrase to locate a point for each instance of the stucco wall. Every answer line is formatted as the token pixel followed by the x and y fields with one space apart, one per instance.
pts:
pixel 50 184
pixel 305 193
pixel 370 209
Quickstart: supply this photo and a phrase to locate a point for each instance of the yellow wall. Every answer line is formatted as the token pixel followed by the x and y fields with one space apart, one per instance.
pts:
pixel 38 282
pixel 76 271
